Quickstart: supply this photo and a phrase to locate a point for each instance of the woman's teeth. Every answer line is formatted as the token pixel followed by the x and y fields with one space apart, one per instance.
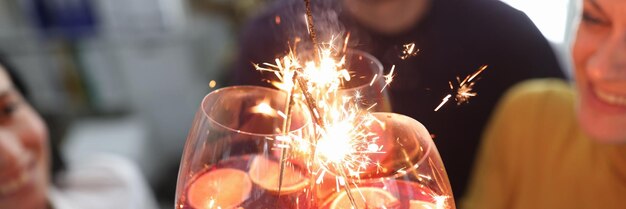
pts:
pixel 15 184
pixel 611 98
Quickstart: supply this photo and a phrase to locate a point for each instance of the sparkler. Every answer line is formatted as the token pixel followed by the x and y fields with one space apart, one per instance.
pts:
pixel 464 90
pixel 310 25
pixel 318 81
pixel 287 122
pixel 341 143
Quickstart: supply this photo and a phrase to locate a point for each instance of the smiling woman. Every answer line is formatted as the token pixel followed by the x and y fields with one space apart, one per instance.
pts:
pixel 23 150
pixel 101 181
pixel 554 145
pixel 600 60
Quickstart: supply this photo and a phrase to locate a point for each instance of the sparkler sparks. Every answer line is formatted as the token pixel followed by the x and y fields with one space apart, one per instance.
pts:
pixel 441 201
pixel 346 144
pixel 464 90
pixel 444 101
pixel 342 121
pixel 342 144
pixel 388 78
pixel 409 50
pixel 345 43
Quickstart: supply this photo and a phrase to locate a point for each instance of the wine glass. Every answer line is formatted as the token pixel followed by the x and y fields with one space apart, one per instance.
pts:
pixel 408 172
pixel 233 151
pixel 231 157
pixel 367 80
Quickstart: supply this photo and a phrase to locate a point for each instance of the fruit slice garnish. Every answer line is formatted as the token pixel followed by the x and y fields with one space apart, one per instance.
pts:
pixel 266 173
pixel 417 204
pixel 366 197
pixel 221 188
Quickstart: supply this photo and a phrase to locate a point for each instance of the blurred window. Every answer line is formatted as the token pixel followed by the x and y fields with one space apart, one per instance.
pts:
pixel 551 17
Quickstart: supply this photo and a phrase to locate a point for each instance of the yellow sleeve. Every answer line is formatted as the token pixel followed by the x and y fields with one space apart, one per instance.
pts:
pixel 507 136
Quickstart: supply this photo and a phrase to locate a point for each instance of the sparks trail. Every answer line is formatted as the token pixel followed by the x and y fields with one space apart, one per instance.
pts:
pixel 388 78
pixel 464 90
pixel 312 105
pixel 318 85
pixel 340 140
pixel 345 43
pixel 408 50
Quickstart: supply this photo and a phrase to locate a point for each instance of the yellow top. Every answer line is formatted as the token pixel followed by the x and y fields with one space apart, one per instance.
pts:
pixel 534 155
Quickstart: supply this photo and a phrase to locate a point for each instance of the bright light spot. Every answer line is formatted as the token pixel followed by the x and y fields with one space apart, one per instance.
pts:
pixel 212 84
pixel 211 203
pixel 549 16
pixel 336 144
pixel 372 147
pixel 277 20
pixel 264 108
pixel 440 201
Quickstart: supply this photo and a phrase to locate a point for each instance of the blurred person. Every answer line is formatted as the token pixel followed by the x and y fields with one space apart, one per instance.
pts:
pixel 552 144
pixel 455 38
pixel 100 182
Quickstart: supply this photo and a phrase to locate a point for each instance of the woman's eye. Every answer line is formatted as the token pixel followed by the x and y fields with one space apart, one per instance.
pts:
pixel 591 19
pixel 7 110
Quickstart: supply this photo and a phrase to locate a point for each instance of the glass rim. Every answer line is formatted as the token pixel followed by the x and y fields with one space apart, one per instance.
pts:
pixel 376 62
pixel 428 149
pixel 420 127
pixel 229 88
pixel 378 71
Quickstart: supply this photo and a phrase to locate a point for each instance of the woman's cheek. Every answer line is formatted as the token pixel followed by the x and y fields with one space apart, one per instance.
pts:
pixel 34 131
pixel 584 47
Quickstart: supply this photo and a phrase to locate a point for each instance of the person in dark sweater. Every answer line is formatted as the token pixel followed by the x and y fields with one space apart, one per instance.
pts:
pixel 454 38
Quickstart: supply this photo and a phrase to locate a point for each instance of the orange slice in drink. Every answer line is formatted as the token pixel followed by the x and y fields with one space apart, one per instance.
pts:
pixel 417 204
pixel 366 197
pixel 266 173
pixel 221 188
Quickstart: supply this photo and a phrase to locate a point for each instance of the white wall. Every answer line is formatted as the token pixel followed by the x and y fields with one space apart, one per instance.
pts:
pixel 555 19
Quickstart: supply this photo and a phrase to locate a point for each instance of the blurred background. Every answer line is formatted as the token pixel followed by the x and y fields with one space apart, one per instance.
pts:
pixel 127 76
